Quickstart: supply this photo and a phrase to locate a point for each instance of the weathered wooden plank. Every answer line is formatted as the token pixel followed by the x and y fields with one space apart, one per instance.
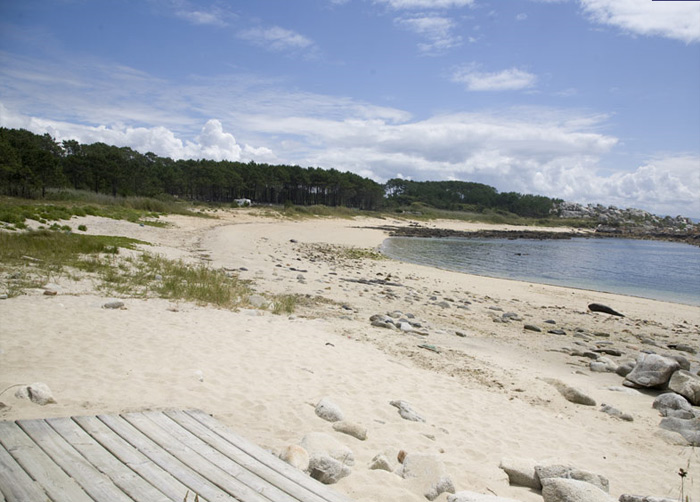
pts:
pixel 93 482
pixel 264 457
pixel 272 476
pixel 15 484
pixel 37 464
pixel 229 466
pixel 133 458
pixel 122 476
pixel 193 480
pixel 187 455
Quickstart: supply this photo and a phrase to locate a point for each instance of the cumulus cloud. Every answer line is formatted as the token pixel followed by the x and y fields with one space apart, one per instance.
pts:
pixel 511 79
pixel 676 20
pixel 437 30
pixel 275 38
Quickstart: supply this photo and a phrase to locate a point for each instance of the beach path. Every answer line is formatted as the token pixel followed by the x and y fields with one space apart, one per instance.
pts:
pixel 144 456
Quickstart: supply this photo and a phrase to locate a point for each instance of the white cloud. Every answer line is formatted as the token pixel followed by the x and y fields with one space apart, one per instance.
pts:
pixel 437 30
pixel 511 79
pixel 521 17
pixel 679 20
pixel 426 4
pixel 275 38
pixel 201 17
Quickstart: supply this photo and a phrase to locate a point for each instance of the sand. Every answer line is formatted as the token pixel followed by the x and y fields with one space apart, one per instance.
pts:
pixel 262 374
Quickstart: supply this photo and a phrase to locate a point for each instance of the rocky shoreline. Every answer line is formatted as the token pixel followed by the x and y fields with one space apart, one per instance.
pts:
pixel 601 232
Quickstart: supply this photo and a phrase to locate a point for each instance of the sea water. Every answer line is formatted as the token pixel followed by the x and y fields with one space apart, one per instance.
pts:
pixel 650 269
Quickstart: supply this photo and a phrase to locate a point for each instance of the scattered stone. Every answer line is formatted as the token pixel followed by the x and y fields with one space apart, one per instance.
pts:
pixel 604 365
pixel 406 411
pixel 570 393
pixel 652 370
pixel 597 307
pixel 326 469
pixel 532 327
pixel 113 305
pixel 466 496
pixel 38 393
pixel 351 429
pixel 3 296
pixel 318 443
pixel 567 472
pixel 329 411
pixel 296 456
pixel 50 292
pixel 511 316
pixel 614 412
pixel 380 462
pixel 550 321
pixel 571 490
pixel 624 390
pixel 609 351
pixel 688 428
pixel 401 456
pixel 683 347
pixel 431 473
pixel 559 332
pixel 521 472
pixel 460 334
pixel 687 385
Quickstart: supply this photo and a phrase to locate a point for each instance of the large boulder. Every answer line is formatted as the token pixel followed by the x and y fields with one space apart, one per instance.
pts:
pixel 688 428
pixel 521 472
pixel 572 490
pixel 652 370
pixel 671 404
pixel 547 472
pixel 687 385
pixel 429 471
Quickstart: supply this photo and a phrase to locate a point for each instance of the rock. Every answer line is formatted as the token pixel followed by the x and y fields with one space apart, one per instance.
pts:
pixel 640 498
pixel 429 471
pixel 466 496
pixel 318 443
pixel 682 361
pixel 296 456
pixel 406 411
pixel 50 292
pixel 625 368
pixel 570 393
pixel 532 327
pixel 688 428
pixel 559 332
pixel 609 351
pixel 687 385
pixel 571 490
pixel 351 429
pixel 614 412
pixel 258 301
pixel 329 411
pixel 670 401
pixel 683 347
pixel 609 365
pixel 652 370
pixel 326 469
pixel 38 393
pixel 547 472
pixel 521 472
pixel 380 462
pixel 113 305
pixel 597 307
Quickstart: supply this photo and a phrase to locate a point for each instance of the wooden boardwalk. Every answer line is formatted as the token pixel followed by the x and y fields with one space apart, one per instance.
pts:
pixel 149 456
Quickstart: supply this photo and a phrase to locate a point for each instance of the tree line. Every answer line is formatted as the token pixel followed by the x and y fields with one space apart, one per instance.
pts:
pixel 31 163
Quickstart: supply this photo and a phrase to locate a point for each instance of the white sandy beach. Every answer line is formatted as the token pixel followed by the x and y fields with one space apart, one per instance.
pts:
pixel 262 374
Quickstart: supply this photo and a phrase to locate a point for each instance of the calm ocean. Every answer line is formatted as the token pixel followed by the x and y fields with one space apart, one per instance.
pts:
pixel 649 269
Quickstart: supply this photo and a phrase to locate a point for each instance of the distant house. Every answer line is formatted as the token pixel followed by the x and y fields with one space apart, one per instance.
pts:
pixel 243 202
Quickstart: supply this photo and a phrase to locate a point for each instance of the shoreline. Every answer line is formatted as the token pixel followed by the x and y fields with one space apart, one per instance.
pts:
pixel 263 374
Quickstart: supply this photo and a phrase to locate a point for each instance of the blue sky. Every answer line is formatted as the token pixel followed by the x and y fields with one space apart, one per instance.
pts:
pixel 586 100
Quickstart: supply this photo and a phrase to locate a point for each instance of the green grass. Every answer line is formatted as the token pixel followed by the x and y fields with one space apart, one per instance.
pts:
pixel 32 259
